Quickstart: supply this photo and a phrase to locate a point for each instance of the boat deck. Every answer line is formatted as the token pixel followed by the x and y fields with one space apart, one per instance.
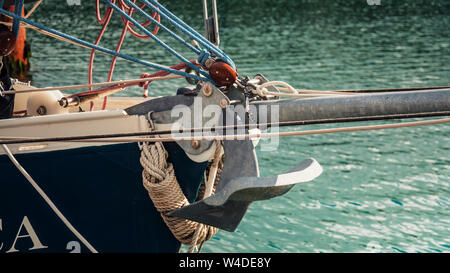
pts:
pixel 115 103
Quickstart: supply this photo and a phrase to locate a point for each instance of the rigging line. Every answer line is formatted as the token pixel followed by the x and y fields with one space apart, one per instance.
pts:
pixel 33 9
pixel 104 50
pixel 182 26
pixel 105 22
pixel 126 28
pixel 306 94
pixel 144 24
pixel 304 91
pixel 269 135
pixel 132 82
pixel 377 90
pixel 18 7
pixel 47 200
pixel 113 83
pixel 21 140
pixel 294 93
pixel 100 19
pixel 174 35
pixel 159 41
pixel 24 24
pixel 262 91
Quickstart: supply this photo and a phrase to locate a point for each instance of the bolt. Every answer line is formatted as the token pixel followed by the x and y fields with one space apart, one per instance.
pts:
pixel 207 90
pixel 223 103
pixel 195 144
pixel 42 110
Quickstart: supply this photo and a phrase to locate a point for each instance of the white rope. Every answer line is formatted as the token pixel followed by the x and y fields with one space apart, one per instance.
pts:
pixel 319 92
pixel 47 199
pixel 209 188
pixel 261 90
pixel 158 178
pixel 209 185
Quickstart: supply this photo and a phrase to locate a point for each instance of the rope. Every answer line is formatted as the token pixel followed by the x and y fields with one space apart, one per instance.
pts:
pixel 18 8
pixel 47 200
pixel 389 89
pixel 261 90
pixel 159 180
pixel 208 188
pixel 120 139
pixel 127 28
pixel 160 74
pixel 65 37
pixel 121 84
pixel 146 79
pixel 33 9
pixel 159 41
pixel 321 92
pixel 115 137
pixel 186 29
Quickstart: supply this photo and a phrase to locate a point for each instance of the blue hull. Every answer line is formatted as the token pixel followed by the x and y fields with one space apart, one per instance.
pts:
pixel 99 190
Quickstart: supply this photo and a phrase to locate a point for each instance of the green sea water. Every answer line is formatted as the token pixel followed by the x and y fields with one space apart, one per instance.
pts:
pixel 381 191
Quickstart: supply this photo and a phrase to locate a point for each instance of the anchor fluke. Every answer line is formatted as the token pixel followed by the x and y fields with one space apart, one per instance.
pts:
pixel 227 207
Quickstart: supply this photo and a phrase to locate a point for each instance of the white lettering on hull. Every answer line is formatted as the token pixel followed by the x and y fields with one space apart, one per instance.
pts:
pixel 24 231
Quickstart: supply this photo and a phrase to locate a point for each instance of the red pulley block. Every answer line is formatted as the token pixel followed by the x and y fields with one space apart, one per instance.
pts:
pixel 222 74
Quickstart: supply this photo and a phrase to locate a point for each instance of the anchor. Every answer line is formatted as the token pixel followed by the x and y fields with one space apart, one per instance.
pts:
pixel 240 183
pixel 227 207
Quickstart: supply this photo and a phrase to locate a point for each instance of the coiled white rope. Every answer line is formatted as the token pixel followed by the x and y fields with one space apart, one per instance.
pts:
pixel 158 178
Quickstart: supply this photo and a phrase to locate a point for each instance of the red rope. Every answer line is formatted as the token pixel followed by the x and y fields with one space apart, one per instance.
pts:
pixel 127 28
pixel 140 84
pixel 163 73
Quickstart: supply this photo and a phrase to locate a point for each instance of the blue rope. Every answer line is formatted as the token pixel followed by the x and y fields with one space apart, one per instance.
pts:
pixel 194 49
pixel 178 23
pixel 159 41
pixel 104 50
pixel 182 26
pixel 18 6
pixel 203 54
